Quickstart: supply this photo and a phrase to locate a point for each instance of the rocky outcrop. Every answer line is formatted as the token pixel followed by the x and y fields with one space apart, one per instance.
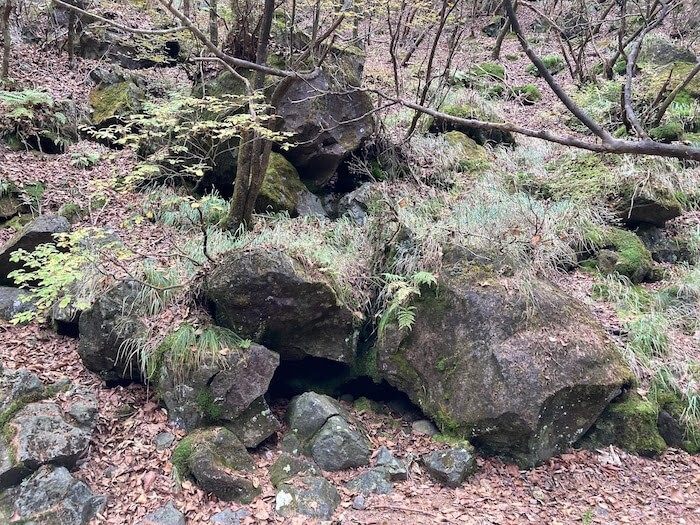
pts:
pixel 327 125
pixel 104 330
pixel 319 427
pixel 223 390
pixel 39 231
pixel 51 496
pixel 523 377
pixel 123 50
pixel 268 297
pixel 218 462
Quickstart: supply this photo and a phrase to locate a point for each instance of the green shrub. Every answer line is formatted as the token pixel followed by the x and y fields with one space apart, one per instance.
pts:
pixel 528 93
pixel 554 64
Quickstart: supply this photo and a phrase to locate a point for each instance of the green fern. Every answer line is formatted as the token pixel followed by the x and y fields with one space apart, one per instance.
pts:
pixel 400 291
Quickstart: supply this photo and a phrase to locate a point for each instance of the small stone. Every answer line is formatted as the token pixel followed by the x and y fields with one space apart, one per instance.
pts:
pixel 166 515
pixel 425 427
pixel 373 481
pixel 450 467
pixel 358 502
pixel 394 468
pixel 163 441
pixel 337 446
pixel 229 517
pixel 317 498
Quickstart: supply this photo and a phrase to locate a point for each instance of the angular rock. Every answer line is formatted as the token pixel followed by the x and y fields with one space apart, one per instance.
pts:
pixel 316 498
pixel 450 467
pixel 664 247
pixel 394 468
pixel 327 126
pixel 268 297
pixel 374 481
pixel 18 385
pixel 51 496
pixel 649 209
pixel 337 446
pixel 425 427
pixel 218 462
pixel 523 379
pixel 104 329
pixel 624 253
pixel 228 517
pixel 308 205
pixel 255 424
pixel 219 392
pixel 287 467
pixel 166 515
pixel 39 231
pixel 661 51
pixel 307 413
pixel 356 203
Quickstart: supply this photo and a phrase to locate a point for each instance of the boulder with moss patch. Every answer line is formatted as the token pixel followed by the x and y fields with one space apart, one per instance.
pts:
pixel 111 104
pixel 473 156
pixel 523 376
pixel 480 135
pixel 282 189
pixel 269 297
pixel 622 252
pixel 218 462
pixel 631 424
pixel 660 50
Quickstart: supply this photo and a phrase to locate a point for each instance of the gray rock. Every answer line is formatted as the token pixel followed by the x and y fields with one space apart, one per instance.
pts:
pixel 166 515
pixel 270 298
pixel 52 497
pixel 39 231
pixel 255 424
pixel 374 481
pixel 424 427
pixel 661 51
pixel 219 463
pixel 526 386
pixel 307 413
pixel 664 247
pixel 356 203
pixel 309 205
pixel 648 209
pixel 163 440
pixel 327 126
pixel 450 467
pixel 14 301
pixel 16 385
pixel 229 517
pixel 41 436
pixel 287 467
pixel 394 468
pixel 337 446
pixel 316 498
pixel 105 327
pixel 222 392
pixel 359 503
pixel 494 26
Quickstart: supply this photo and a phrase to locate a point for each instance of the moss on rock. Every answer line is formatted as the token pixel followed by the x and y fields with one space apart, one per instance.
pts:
pixel 631 425
pixel 114 102
pixel 474 157
pixel 281 186
pixel 622 252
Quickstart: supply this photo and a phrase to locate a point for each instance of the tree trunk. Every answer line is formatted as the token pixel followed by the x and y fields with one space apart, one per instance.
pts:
pixel 254 150
pixel 6 11
pixel 214 22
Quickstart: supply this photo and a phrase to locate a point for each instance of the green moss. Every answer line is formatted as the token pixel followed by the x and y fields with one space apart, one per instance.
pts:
pixel 554 64
pixel 208 405
pixel 475 158
pixel 181 456
pixel 118 100
pixel 633 258
pixel 453 441
pixel 281 186
pixel 448 425
pixel 362 404
pixel 669 132
pixel 654 78
pixel 528 93
pixel 630 424
pixel 487 69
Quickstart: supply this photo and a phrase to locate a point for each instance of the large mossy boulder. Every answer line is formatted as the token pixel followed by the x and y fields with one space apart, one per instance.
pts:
pixel 660 50
pixel 218 462
pixel 327 124
pixel 631 424
pixel 522 376
pixel 113 103
pixel 270 298
pixel 105 328
pixel 281 187
pixel 39 231
pixel 479 134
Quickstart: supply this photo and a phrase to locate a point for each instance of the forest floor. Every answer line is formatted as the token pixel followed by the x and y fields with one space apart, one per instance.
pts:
pixel 605 487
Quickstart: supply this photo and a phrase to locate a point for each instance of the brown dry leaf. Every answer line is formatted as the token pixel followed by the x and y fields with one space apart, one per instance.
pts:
pixel 148 479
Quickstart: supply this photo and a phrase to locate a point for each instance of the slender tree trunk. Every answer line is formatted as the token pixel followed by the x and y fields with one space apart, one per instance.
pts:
pixel 186 8
pixel 214 21
pixel 6 11
pixel 71 39
pixel 254 150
